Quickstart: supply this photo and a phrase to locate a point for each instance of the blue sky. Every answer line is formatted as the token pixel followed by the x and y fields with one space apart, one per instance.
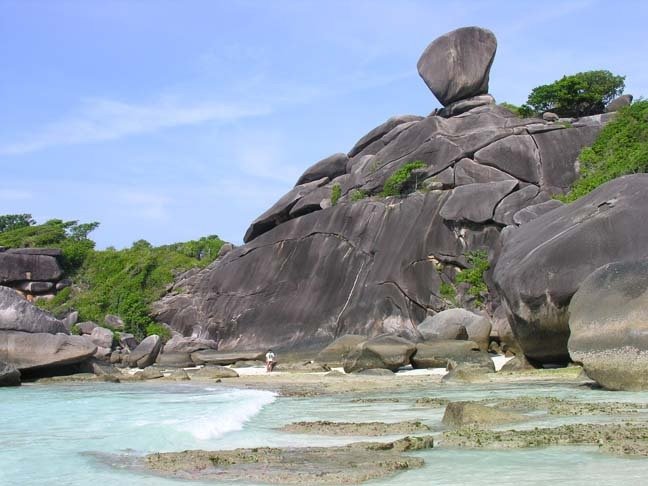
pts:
pixel 169 120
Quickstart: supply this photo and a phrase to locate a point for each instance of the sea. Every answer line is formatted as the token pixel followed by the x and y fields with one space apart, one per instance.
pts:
pixel 62 433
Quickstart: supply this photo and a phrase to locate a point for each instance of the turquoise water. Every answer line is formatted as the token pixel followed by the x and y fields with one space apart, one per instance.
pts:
pixel 62 433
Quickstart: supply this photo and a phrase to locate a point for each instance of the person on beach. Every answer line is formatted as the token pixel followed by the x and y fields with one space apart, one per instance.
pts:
pixel 271 360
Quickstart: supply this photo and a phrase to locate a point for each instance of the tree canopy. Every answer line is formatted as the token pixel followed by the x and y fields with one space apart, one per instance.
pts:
pixel 579 94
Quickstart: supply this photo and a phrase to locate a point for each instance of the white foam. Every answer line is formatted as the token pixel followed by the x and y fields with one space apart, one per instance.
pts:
pixel 236 409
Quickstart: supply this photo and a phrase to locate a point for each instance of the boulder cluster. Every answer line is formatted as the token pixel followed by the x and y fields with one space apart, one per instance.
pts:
pixel 34 272
pixel 432 241
pixel 336 256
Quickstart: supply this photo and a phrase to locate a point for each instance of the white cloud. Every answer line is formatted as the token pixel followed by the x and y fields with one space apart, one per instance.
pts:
pixel 100 120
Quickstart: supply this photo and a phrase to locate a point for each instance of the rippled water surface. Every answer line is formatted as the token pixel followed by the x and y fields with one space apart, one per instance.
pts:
pixel 58 433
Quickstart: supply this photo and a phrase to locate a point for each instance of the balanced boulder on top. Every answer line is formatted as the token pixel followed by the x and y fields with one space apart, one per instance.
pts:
pixel 456 66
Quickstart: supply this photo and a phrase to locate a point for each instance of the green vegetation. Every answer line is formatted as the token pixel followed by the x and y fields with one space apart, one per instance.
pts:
pixel 336 192
pixel 621 148
pixel 10 222
pixel 160 330
pixel 396 182
pixel 474 275
pixel 122 282
pixel 358 195
pixel 524 111
pixel 580 94
pixel 70 236
pixel 448 292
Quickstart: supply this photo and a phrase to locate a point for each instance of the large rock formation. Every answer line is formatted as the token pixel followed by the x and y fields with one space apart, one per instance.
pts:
pixel 16 314
pixel 312 271
pixel 543 262
pixel 457 65
pixel 30 351
pixel 609 325
pixel 32 271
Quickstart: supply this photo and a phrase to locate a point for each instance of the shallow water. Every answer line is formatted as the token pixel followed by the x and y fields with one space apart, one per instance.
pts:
pixel 58 433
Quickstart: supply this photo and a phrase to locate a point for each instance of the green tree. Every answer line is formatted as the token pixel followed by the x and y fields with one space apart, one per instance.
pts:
pixel 10 222
pixel 580 94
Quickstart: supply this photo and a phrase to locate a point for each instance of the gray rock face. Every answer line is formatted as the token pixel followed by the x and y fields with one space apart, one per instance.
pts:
pixel 174 359
pixel 462 106
pixel 9 375
pixel 476 202
pixel 299 295
pixel 16 314
pixel 145 354
pixel 213 372
pixel 478 327
pixel 338 350
pixel 16 267
pixel 439 354
pixel 101 337
pixel 181 344
pixel 457 65
pixel 211 357
pixel 558 151
pixel 469 172
pixel 609 325
pixel 618 103
pixel 279 213
pixel 550 117
pixel 330 167
pixel 388 352
pixel 433 328
pixel 114 322
pixel 532 212
pixel 543 262
pixel 517 156
pixel 27 351
pixel 87 327
pixel 311 272
pixel 512 204
pixel 379 132
pixel 127 341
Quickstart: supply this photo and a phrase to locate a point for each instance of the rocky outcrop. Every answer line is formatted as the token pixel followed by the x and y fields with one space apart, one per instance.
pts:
pixel 30 351
pixel 32 271
pixel 338 350
pixel 608 325
pixel 459 414
pixel 457 65
pixel 146 352
pixel 478 328
pixel 16 314
pixel 212 357
pixel 9 375
pixel 439 354
pixel 617 103
pixel 568 244
pixel 388 352
pixel 311 272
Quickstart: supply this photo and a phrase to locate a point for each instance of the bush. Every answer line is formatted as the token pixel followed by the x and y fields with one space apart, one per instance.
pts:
pixel 577 95
pixel 448 292
pixel 621 148
pixel 336 192
pixel 474 275
pixel 159 330
pixel 396 182
pixel 524 111
pixel 358 195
